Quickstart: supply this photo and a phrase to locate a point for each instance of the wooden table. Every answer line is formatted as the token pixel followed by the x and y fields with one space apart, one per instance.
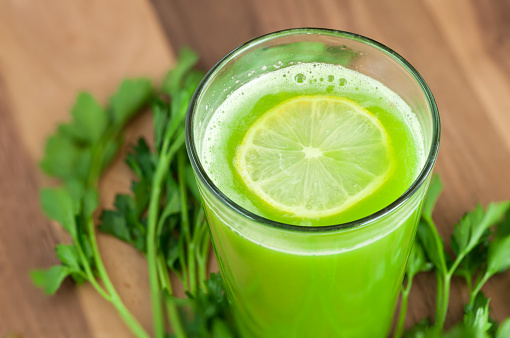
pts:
pixel 50 51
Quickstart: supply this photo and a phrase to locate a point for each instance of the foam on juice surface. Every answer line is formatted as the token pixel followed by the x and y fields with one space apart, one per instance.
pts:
pixel 305 78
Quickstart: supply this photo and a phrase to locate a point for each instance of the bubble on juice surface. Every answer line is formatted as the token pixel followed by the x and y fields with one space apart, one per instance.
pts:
pixel 342 82
pixel 300 78
pixel 330 78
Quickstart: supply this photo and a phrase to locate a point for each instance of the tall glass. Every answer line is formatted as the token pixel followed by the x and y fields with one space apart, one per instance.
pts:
pixel 284 280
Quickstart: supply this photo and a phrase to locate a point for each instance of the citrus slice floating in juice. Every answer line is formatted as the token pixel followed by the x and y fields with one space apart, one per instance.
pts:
pixel 314 156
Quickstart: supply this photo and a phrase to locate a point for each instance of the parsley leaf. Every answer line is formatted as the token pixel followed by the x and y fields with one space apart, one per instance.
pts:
pixel 472 227
pixel 504 329
pixel 418 261
pixel 433 192
pixel 210 314
pixel 498 259
pixel 433 247
pixel 476 316
pixel 90 120
pixel 422 329
pixel 66 159
pixel 129 98
pixel 51 279
pixel 123 222
pixel 69 257
pixel 59 206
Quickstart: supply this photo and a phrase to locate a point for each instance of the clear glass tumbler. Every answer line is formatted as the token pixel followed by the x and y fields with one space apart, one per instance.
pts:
pixel 339 280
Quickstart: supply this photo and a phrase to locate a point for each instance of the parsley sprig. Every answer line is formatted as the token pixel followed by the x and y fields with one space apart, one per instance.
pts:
pixel 77 154
pixel 481 248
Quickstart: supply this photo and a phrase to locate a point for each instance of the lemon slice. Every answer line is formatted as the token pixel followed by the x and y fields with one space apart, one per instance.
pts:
pixel 314 156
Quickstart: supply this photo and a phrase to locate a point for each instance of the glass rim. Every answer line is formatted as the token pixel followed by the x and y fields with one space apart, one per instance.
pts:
pixel 420 179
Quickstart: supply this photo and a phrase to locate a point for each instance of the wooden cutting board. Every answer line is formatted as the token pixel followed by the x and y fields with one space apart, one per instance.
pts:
pixel 50 51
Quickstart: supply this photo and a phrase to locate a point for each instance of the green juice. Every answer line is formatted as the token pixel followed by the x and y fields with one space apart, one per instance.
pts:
pixel 283 283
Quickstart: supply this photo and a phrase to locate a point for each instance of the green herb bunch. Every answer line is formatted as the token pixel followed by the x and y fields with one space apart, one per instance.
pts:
pixel 162 218
pixel 77 154
pixel 481 249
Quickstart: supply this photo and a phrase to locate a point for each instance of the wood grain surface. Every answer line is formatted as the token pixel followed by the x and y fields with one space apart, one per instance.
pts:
pixel 50 51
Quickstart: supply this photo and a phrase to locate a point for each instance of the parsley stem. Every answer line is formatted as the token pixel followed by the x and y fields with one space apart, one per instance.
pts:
pixel 478 287
pixel 399 328
pixel 192 269
pixel 167 153
pixel 98 288
pixel 444 297
pixel 469 283
pixel 443 276
pixel 203 250
pixel 181 173
pixel 157 311
pixel 439 296
pixel 115 299
pixel 184 267
pixel 443 287
pixel 457 261
pixel 88 272
pixel 171 309
pixel 185 224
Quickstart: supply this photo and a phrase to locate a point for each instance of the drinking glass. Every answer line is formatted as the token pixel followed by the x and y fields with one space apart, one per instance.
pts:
pixel 284 280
